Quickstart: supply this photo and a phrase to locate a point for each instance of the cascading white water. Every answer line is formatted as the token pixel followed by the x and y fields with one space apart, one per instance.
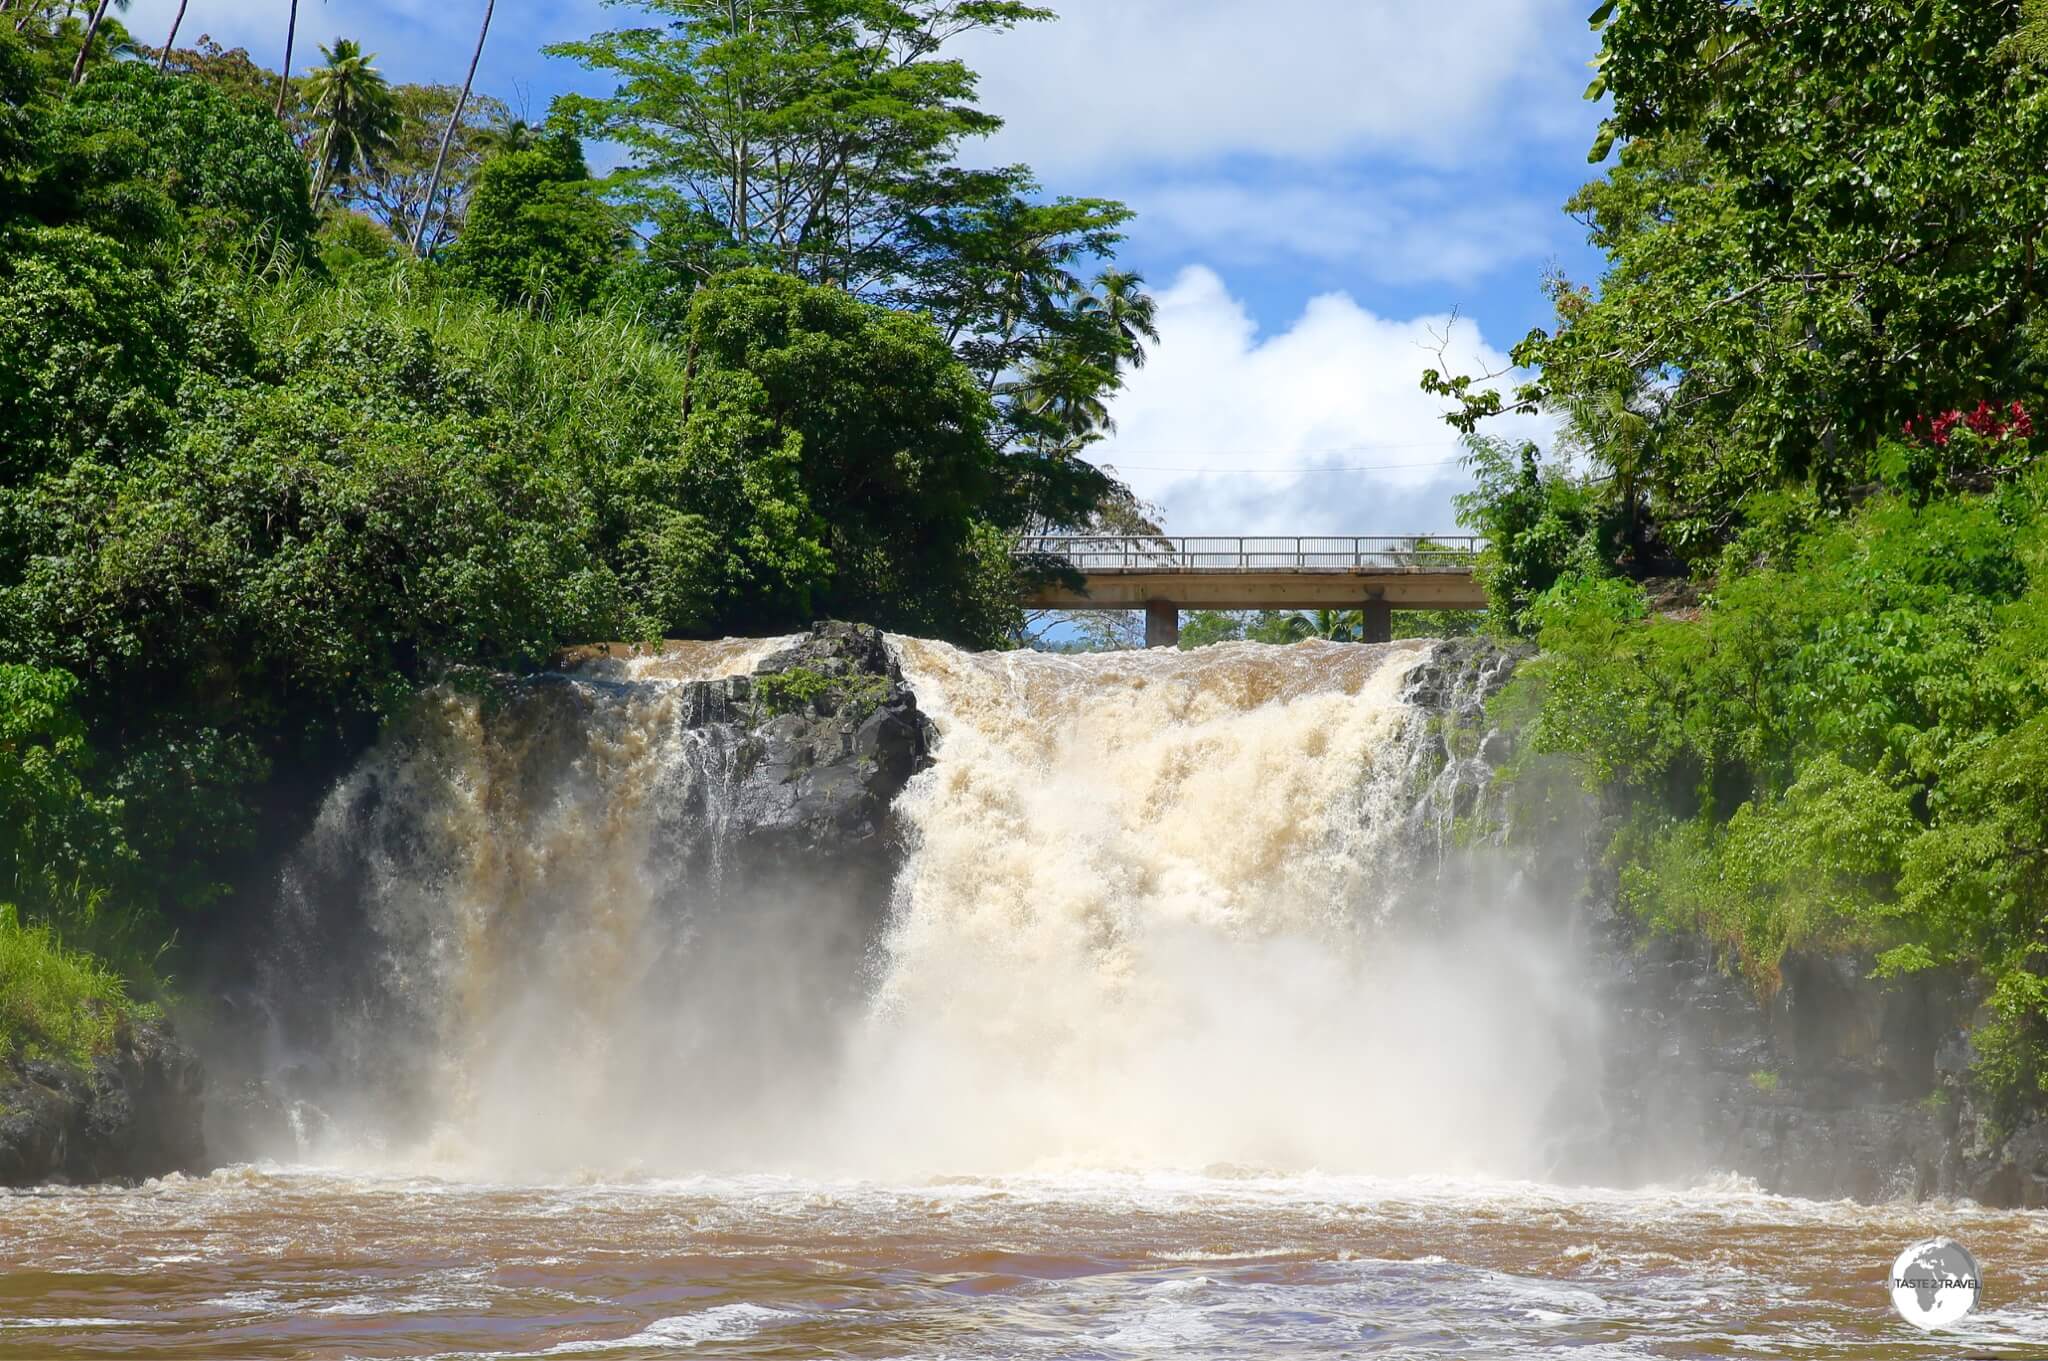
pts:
pixel 1158 912
pixel 1154 912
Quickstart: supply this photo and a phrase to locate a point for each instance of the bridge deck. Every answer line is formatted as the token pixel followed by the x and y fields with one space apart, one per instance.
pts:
pixel 1166 575
pixel 1416 572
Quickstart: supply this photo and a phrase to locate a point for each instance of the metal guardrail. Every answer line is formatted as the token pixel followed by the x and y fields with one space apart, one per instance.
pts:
pixel 1415 552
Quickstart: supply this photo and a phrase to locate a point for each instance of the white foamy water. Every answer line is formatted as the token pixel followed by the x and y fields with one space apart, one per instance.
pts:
pixel 1165 1042
pixel 1153 915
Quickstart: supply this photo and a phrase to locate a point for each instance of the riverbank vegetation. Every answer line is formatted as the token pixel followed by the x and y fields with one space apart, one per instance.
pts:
pixel 1788 560
pixel 297 413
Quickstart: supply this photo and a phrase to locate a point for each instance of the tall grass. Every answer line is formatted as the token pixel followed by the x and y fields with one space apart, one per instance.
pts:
pixel 56 1002
pixel 582 380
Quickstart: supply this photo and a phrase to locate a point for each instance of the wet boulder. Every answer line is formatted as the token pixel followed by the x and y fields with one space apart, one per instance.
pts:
pixel 133 1113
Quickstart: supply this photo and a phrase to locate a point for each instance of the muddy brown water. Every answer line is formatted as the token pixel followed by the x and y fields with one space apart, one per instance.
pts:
pixel 309 1263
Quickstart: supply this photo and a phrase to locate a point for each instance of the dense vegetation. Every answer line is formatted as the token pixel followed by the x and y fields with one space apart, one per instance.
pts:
pixel 1788 562
pixel 291 424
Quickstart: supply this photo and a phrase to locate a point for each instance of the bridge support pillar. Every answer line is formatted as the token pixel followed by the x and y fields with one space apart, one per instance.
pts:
pixel 1379 621
pixel 1162 624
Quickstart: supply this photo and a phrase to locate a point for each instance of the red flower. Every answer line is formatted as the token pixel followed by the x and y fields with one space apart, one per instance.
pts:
pixel 1984 421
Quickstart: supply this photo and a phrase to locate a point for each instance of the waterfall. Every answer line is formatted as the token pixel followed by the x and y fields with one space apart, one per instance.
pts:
pixel 1155 910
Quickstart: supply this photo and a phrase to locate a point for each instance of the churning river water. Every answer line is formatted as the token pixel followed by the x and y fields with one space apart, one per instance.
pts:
pixel 1170 1042
pixel 252 1263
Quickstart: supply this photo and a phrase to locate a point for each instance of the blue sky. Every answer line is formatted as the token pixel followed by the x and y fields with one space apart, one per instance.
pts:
pixel 1319 185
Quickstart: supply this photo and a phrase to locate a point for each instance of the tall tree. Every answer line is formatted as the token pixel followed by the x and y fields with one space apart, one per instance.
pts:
pixel 538 231
pixel 1066 387
pixel 394 189
pixel 1127 314
pixel 92 28
pixel 454 121
pixel 822 139
pixel 171 38
pixel 1819 230
pixel 805 137
pixel 284 74
pixel 502 132
pixel 353 104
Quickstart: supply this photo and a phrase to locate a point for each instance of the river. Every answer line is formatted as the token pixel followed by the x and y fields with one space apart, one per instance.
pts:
pixel 1174 1037
pixel 252 1263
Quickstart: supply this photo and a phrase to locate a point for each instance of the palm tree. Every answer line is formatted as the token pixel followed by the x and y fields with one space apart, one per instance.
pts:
pixel 1066 386
pixel 1127 314
pixel 165 55
pixel 419 231
pixel 353 98
pixel 1615 426
pixel 1335 626
pixel 92 29
pixel 502 139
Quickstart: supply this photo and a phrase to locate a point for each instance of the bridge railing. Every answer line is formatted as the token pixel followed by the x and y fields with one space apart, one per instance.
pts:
pixel 1415 552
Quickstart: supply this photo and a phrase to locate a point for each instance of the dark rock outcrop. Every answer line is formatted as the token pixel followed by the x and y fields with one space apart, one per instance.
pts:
pixel 754 810
pixel 134 1113
pixel 1826 1088
pixel 832 736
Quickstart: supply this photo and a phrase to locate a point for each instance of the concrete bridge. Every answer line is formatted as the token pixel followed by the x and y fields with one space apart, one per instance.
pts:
pixel 1163 576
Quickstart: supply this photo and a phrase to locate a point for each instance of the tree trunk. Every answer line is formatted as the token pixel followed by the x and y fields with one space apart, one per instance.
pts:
pixel 78 67
pixel 419 231
pixel 284 79
pixel 321 170
pixel 165 55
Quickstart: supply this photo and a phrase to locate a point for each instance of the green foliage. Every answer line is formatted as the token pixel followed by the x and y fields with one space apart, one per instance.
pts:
pixel 1818 233
pixel 356 112
pixel 537 232
pixel 1200 628
pixel 1539 524
pixel 799 688
pixel 823 141
pixel 91 346
pixel 1845 749
pixel 55 1003
pixel 61 843
pixel 1438 623
pixel 809 137
pixel 231 171
pixel 880 426
pixel 350 241
pixel 392 189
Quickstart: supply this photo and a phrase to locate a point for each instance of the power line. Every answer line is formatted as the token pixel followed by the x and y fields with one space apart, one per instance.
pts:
pixel 1358 448
pixel 1121 466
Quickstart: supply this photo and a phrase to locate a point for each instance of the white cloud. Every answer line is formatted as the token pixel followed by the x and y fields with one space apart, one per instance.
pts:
pixel 1226 429
pixel 1394 231
pixel 1121 82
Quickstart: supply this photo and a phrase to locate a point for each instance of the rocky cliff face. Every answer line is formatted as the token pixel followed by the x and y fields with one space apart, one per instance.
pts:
pixel 1836 1084
pixel 515 834
pixel 134 1113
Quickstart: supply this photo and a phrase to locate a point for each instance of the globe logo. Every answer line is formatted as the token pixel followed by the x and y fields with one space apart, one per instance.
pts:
pixel 1934 1283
